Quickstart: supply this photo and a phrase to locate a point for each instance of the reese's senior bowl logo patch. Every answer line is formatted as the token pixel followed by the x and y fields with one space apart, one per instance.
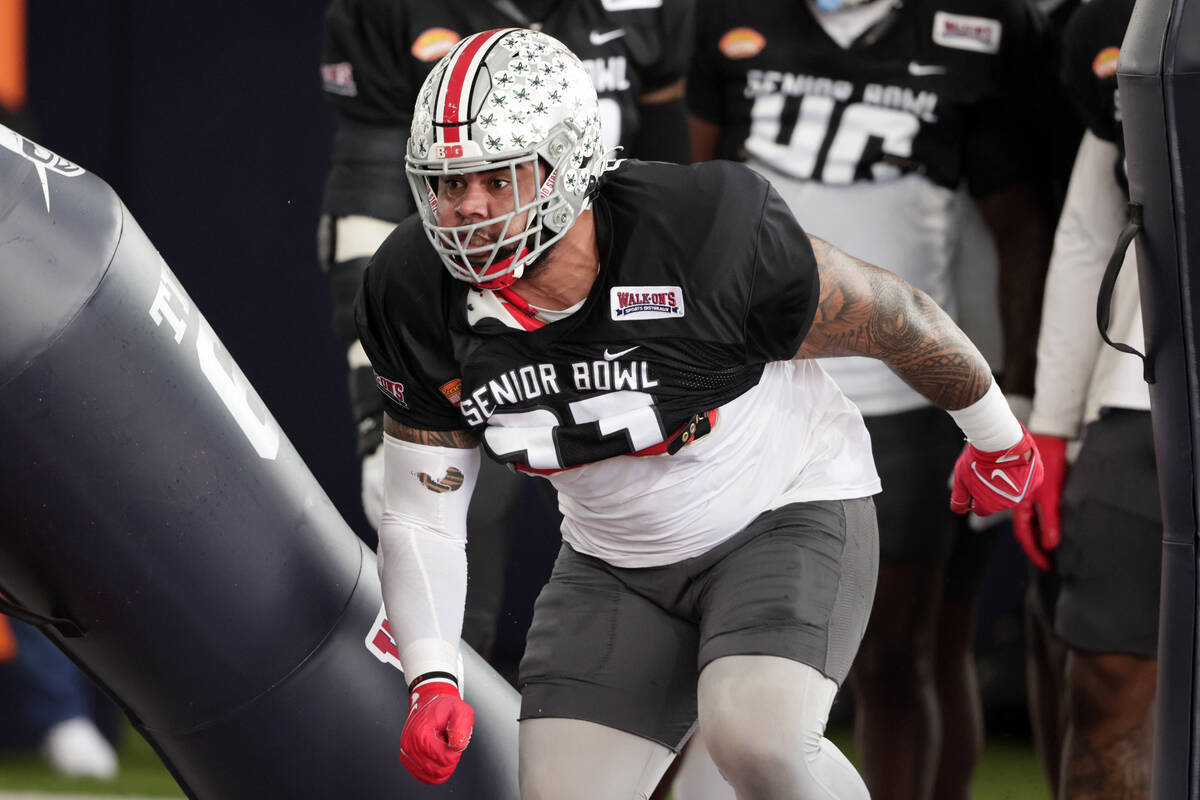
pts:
pixel 434 43
pixel 645 302
pixel 962 32
pixel 452 390
pixel 741 43
pixel 1105 62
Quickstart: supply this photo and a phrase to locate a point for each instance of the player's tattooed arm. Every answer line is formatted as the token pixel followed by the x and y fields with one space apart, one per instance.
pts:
pixel 462 439
pixel 867 311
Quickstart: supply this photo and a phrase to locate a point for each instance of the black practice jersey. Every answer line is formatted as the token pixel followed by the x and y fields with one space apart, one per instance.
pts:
pixel 705 276
pixel 378 52
pixel 1091 45
pixel 946 88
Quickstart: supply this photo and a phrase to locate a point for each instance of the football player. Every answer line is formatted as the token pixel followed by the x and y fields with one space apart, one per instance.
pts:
pixel 1100 591
pixel 867 117
pixel 376 54
pixel 645 337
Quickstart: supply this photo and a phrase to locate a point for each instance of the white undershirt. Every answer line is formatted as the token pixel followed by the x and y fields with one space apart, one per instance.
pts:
pixel 554 315
pixel 792 438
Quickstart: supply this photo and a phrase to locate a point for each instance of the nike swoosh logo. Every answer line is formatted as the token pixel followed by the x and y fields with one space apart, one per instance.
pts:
pixel 597 38
pixel 611 356
pixel 1017 495
pixel 924 70
pixel 999 473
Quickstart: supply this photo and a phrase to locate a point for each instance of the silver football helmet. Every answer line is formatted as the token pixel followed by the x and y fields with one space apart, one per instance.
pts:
pixel 501 99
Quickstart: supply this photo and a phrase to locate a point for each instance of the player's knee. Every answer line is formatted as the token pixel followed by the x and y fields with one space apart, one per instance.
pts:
pixel 753 763
pixel 758 758
pixel 890 673
pixel 763 768
pixel 1109 689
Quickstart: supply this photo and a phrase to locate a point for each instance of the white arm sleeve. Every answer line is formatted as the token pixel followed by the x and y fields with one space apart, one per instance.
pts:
pixel 1069 343
pixel 422 550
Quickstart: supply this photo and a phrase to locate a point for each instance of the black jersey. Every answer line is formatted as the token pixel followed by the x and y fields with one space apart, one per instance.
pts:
pixel 705 276
pixel 1091 44
pixel 946 88
pixel 378 52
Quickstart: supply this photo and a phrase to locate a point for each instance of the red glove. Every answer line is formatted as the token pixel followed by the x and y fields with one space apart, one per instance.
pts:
pixel 987 482
pixel 437 730
pixel 1035 520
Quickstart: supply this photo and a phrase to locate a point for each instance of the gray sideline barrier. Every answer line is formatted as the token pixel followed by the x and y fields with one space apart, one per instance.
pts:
pixel 161 529
pixel 1158 76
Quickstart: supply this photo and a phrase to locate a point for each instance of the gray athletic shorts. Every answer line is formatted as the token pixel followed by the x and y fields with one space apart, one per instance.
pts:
pixel 624 647
pixel 1109 561
pixel 914 454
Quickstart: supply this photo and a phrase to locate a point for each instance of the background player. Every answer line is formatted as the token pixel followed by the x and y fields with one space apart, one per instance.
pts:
pixel 1094 622
pixel 867 117
pixel 376 54
pixel 643 336
pixel 51 706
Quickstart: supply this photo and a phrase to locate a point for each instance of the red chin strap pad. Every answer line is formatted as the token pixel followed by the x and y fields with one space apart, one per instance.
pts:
pixel 501 281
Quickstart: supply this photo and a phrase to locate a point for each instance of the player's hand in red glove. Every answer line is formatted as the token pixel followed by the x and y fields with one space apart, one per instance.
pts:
pixel 437 730
pixel 1035 520
pixel 987 482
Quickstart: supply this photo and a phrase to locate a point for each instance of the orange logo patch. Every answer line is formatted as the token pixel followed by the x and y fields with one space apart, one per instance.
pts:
pixel 452 390
pixel 742 43
pixel 434 43
pixel 1105 63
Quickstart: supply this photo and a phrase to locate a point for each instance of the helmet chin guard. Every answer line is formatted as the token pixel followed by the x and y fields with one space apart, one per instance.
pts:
pixel 503 99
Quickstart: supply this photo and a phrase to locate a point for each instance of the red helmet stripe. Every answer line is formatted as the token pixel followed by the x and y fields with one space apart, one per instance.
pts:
pixel 455 91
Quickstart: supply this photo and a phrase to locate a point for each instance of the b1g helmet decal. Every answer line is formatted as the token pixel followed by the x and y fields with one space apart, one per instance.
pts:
pixel 499 100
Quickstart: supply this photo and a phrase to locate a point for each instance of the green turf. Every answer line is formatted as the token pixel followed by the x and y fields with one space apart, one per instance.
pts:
pixel 1008 771
pixel 141 773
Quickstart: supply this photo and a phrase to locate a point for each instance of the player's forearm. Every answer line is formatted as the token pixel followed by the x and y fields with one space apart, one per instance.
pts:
pixel 867 311
pixel 424 583
pixel 932 355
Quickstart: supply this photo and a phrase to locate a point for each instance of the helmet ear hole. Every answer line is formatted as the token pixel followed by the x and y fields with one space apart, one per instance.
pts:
pixel 558 146
pixel 561 219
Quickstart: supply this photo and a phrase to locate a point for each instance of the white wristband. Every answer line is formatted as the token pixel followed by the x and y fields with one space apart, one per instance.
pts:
pixel 989 423
pixel 430 655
